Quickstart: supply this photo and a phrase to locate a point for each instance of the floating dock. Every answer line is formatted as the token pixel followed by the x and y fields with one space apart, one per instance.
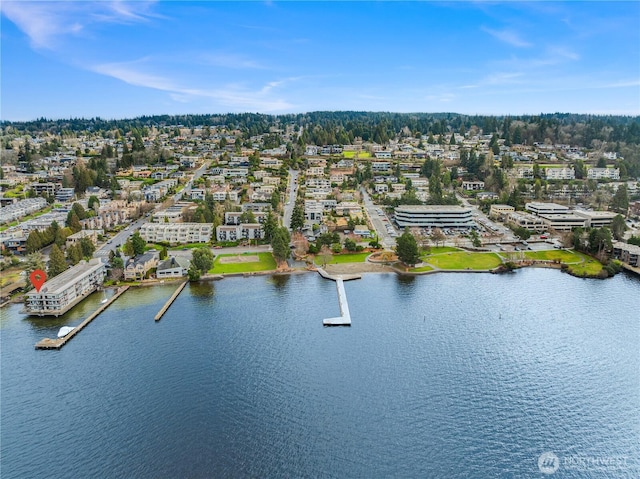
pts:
pixel 345 316
pixel 170 301
pixel 47 343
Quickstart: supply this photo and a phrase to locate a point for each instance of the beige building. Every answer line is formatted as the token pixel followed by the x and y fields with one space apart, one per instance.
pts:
pixel 61 293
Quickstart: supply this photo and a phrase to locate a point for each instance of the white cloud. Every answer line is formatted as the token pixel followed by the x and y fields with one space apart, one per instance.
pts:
pixel 45 23
pixel 508 36
pixel 236 97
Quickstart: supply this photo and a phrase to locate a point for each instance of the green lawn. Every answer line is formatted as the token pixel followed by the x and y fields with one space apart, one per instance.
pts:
pixel 344 258
pixel 352 154
pixel 440 249
pixel 265 263
pixel 464 260
pixel 421 269
pixel 590 266
pixel 554 254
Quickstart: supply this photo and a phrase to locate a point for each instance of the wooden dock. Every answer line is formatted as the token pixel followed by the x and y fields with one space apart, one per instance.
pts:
pixel 170 301
pixel 57 343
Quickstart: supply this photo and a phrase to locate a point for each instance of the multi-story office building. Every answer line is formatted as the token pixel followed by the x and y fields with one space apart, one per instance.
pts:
pixel 434 216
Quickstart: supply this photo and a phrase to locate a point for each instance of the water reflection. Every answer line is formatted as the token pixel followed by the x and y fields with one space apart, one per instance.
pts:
pixel 201 289
pixel 280 281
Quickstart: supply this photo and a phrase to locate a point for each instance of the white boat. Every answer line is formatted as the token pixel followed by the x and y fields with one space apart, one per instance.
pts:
pixel 64 331
pixel 104 300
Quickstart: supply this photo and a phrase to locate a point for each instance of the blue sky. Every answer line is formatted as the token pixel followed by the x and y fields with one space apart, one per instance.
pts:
pixel 118 59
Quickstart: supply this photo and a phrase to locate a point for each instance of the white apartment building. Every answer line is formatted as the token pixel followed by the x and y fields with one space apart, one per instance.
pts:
pixel 247 231
pixel 64 291
pixel 560 174
pixel 177 233
pixel 473 185
pixel 603 173
pixel 21 208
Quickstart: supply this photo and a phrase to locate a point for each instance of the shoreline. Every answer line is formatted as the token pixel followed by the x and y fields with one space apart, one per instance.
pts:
pixel 346 268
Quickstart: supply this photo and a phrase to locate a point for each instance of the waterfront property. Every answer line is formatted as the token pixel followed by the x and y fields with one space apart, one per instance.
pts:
pixel 172 268
pixel 62 292
pixel 627 253
pixel 440 216
pixel 138 267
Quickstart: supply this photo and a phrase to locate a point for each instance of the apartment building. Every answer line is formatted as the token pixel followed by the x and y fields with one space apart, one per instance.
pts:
pixel 64 291
pixel 176 233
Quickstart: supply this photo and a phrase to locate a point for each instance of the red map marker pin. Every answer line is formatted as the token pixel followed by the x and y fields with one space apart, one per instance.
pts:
pixel 38 277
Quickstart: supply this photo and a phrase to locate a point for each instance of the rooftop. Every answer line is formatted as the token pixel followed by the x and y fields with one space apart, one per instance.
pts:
pixel 60 282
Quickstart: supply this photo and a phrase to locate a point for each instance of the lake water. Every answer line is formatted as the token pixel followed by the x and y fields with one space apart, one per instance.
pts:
pixel 448 375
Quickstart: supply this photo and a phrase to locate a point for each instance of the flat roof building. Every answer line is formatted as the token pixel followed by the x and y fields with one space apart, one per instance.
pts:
pixel 539 208
pixel 62 292
pixel 440 216
pixel 564 222
pixel 597 219
pixel 177 233
pixel 627 253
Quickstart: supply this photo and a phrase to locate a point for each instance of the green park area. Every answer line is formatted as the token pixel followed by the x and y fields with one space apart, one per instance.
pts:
pixel 441 249
pixel 343 258
pixel 464 260
pixel 561 255
pixel 421 269
pixel 589 266
pixel 243 263
pixel 352 154
pixel 579 264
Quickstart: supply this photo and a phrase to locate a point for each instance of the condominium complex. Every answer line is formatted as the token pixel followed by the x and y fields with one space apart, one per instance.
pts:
pixel 627 253
pixel 440 216
pixel 64 291
pixel 176 233
pixel 21 208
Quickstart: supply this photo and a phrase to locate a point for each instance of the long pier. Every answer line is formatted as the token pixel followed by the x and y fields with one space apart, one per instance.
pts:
pixel 47 343
pixel 169 302
pixel 345 316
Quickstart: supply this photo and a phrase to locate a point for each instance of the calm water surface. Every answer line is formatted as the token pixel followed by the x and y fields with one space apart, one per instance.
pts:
pixel 449 375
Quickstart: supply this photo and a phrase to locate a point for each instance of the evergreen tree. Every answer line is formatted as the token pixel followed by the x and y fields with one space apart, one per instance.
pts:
pixel 74 254
pixel 620 201
pixel 297 217
pixel 57 262
pixel 269 226
pixel 138 243
pixel 87 247
pixel 33 262
pixel 280 244
pixel 407 248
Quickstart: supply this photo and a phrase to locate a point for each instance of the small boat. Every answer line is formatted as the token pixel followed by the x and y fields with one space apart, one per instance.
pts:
pixel 104 300
pixel 64 331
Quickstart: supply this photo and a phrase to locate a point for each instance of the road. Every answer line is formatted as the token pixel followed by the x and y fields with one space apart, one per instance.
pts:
pixel 502 233
pixel 291 199
pixel 377 222
pixel 196 174
pixel 119 239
